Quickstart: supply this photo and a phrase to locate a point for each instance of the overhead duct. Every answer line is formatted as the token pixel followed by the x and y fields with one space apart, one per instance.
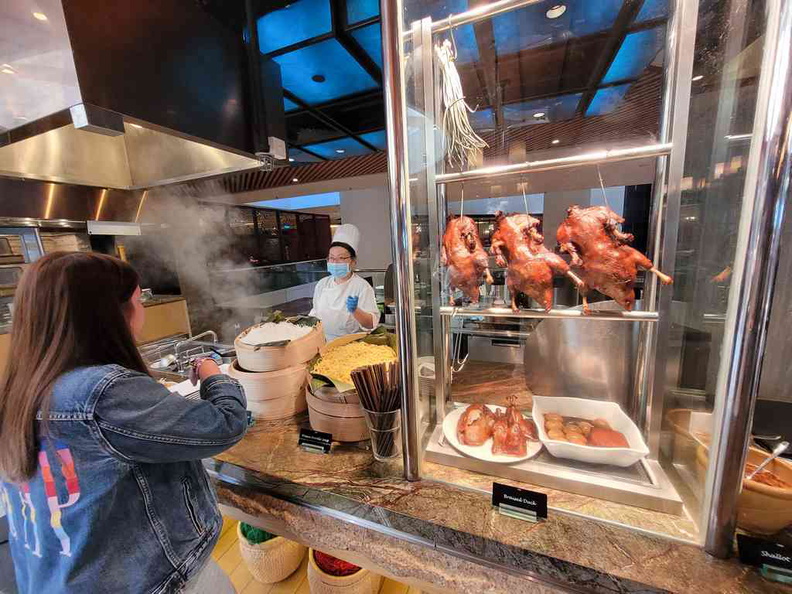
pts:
pixel 127 95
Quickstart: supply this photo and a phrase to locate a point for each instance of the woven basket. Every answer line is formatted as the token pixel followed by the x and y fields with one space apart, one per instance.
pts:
pixel 361 582
pixel 270 561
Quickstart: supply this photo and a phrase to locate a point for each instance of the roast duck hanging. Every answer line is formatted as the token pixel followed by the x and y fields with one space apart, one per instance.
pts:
pixel 601 256
pixel 518 245
pixel 464 255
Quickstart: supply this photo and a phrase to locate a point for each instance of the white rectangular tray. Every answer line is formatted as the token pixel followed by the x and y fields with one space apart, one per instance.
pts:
pixel 590 409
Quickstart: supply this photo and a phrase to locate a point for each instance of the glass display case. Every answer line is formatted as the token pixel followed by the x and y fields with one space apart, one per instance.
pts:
pixel 664 124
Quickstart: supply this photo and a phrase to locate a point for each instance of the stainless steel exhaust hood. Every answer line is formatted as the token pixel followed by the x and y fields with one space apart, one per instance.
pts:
pixel 130 94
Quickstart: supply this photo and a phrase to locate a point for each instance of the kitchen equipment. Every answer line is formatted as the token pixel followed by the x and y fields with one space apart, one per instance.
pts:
pixel 271 358
pixel 273 395
pixel 777 451
pixel 338 413
pixel 590 409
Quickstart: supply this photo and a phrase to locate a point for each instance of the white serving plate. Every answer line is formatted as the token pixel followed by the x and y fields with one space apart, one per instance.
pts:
pixel 482 452
pixel 590 409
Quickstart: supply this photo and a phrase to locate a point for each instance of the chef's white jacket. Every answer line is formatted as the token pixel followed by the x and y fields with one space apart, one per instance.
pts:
pixel 329 305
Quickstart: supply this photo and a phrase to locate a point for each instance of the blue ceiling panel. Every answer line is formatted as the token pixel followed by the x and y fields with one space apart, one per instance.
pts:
pixel 342 74
pixel 635 54
pixel 606 100
pixel 302 157
pixel 289 105
pixel 555 109
pixel 360 10
pixel 530 27
pixel 464 36
pixel 370 39
pixel 652 9
pixel 297 22
pixel 482 119
pixel 301 202
pixel 330 150
pixel 377 139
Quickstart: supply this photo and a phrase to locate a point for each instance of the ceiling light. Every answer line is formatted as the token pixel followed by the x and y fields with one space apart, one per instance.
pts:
pixel 555 141
pixel 340 151
pixel 20 118
pixel 539 114
pixel 291 159
pixel 697 77
pixel 138 126
pixel 39 16
pixel 319 78
pixel 7 71
pixel 556 11
pixel 295 180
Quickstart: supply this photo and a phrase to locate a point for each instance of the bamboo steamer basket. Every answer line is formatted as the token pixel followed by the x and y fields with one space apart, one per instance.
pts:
pixel 761 509
pixel 273 395
pixel 273 358
pixel 339 413
pixel 360 582
pixel 271 561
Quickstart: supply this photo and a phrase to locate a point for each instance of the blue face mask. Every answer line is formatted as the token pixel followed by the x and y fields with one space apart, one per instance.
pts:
pixel 338 269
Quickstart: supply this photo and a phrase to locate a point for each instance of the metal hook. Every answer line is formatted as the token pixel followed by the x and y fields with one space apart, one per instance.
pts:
pixel 602 187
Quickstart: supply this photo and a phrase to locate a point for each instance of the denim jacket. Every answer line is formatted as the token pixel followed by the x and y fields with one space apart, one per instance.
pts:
pixel 120 501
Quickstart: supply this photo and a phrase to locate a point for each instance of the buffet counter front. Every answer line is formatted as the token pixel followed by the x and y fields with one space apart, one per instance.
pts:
pixel 444 538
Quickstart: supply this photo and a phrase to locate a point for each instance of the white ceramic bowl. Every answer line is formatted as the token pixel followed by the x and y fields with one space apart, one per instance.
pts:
pixel 590 409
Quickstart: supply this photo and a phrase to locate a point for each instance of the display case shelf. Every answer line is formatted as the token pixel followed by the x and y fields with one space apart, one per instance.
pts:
pixel 505 312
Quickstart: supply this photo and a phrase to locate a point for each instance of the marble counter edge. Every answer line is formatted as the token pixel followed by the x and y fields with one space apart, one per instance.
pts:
pixel 469 547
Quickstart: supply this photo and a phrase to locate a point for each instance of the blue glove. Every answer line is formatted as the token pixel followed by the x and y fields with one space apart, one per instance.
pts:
pixel 352 303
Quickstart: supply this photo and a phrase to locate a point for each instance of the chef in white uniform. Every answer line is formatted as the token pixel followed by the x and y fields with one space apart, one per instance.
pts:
pixel 343 301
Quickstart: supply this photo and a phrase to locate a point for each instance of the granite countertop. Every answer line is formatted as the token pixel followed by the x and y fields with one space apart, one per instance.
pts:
pixel 451 536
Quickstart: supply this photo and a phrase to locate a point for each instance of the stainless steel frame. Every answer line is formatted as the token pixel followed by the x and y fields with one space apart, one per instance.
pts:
pixel 398 185
pixel 767 186
pixel 505 312
pixel 593 158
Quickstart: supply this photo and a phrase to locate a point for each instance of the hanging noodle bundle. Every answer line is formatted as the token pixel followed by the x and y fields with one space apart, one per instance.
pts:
pixel 462 142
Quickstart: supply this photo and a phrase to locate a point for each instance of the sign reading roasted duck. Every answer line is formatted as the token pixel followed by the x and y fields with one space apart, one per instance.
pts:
pixel 601 256
pixel 518 245
pixel 463 253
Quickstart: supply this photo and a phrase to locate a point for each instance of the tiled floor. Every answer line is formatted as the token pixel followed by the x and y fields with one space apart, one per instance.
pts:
pixel 227 555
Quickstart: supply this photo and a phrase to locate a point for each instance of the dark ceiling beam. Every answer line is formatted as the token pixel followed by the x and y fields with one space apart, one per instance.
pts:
pixel 308 152
pixel 348 100
pixel 363 23
pixel 327 120
pixel 487 66
pixel 300 45
pixel 350 44
pixel 621 25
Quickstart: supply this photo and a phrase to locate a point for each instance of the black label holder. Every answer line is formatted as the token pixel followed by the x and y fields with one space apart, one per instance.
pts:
pixel 521 504
pixel 316 442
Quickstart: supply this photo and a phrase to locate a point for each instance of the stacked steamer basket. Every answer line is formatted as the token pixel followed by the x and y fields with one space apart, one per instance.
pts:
pixel 275 375
pixel 338 411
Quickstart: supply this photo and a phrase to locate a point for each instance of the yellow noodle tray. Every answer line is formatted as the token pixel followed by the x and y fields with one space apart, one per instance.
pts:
pixel 337 363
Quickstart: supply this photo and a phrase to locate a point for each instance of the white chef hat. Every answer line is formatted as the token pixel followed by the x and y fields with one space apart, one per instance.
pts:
pixel 348 236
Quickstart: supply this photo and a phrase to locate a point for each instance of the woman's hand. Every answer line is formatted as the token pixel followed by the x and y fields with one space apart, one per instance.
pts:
pixel 352 303
pixel 203 368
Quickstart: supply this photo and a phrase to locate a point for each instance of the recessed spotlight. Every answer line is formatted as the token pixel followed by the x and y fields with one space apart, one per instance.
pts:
pixel 7 71
pixel 340 151
pixel 295 180
pixel 138 126
pixel 39 16
pixel 319 78
pixel 697 77
pixel 22 118
pixel 555 141
pixel 291 159
pixel 539 114
pixel 556 11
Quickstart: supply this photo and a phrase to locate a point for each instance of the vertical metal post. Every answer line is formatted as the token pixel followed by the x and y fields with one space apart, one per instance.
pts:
pixel 398 185
pixel 767 185
pixel 667 200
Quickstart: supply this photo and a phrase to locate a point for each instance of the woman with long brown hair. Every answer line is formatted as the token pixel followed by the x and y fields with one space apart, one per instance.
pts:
pixel 100 465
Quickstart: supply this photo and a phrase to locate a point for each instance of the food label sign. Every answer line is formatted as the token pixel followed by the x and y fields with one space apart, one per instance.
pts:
pixel 519 503
pixel 315 441
pixel 773 558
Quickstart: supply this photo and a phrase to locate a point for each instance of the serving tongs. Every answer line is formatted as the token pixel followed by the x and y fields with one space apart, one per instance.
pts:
pixel 777 451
